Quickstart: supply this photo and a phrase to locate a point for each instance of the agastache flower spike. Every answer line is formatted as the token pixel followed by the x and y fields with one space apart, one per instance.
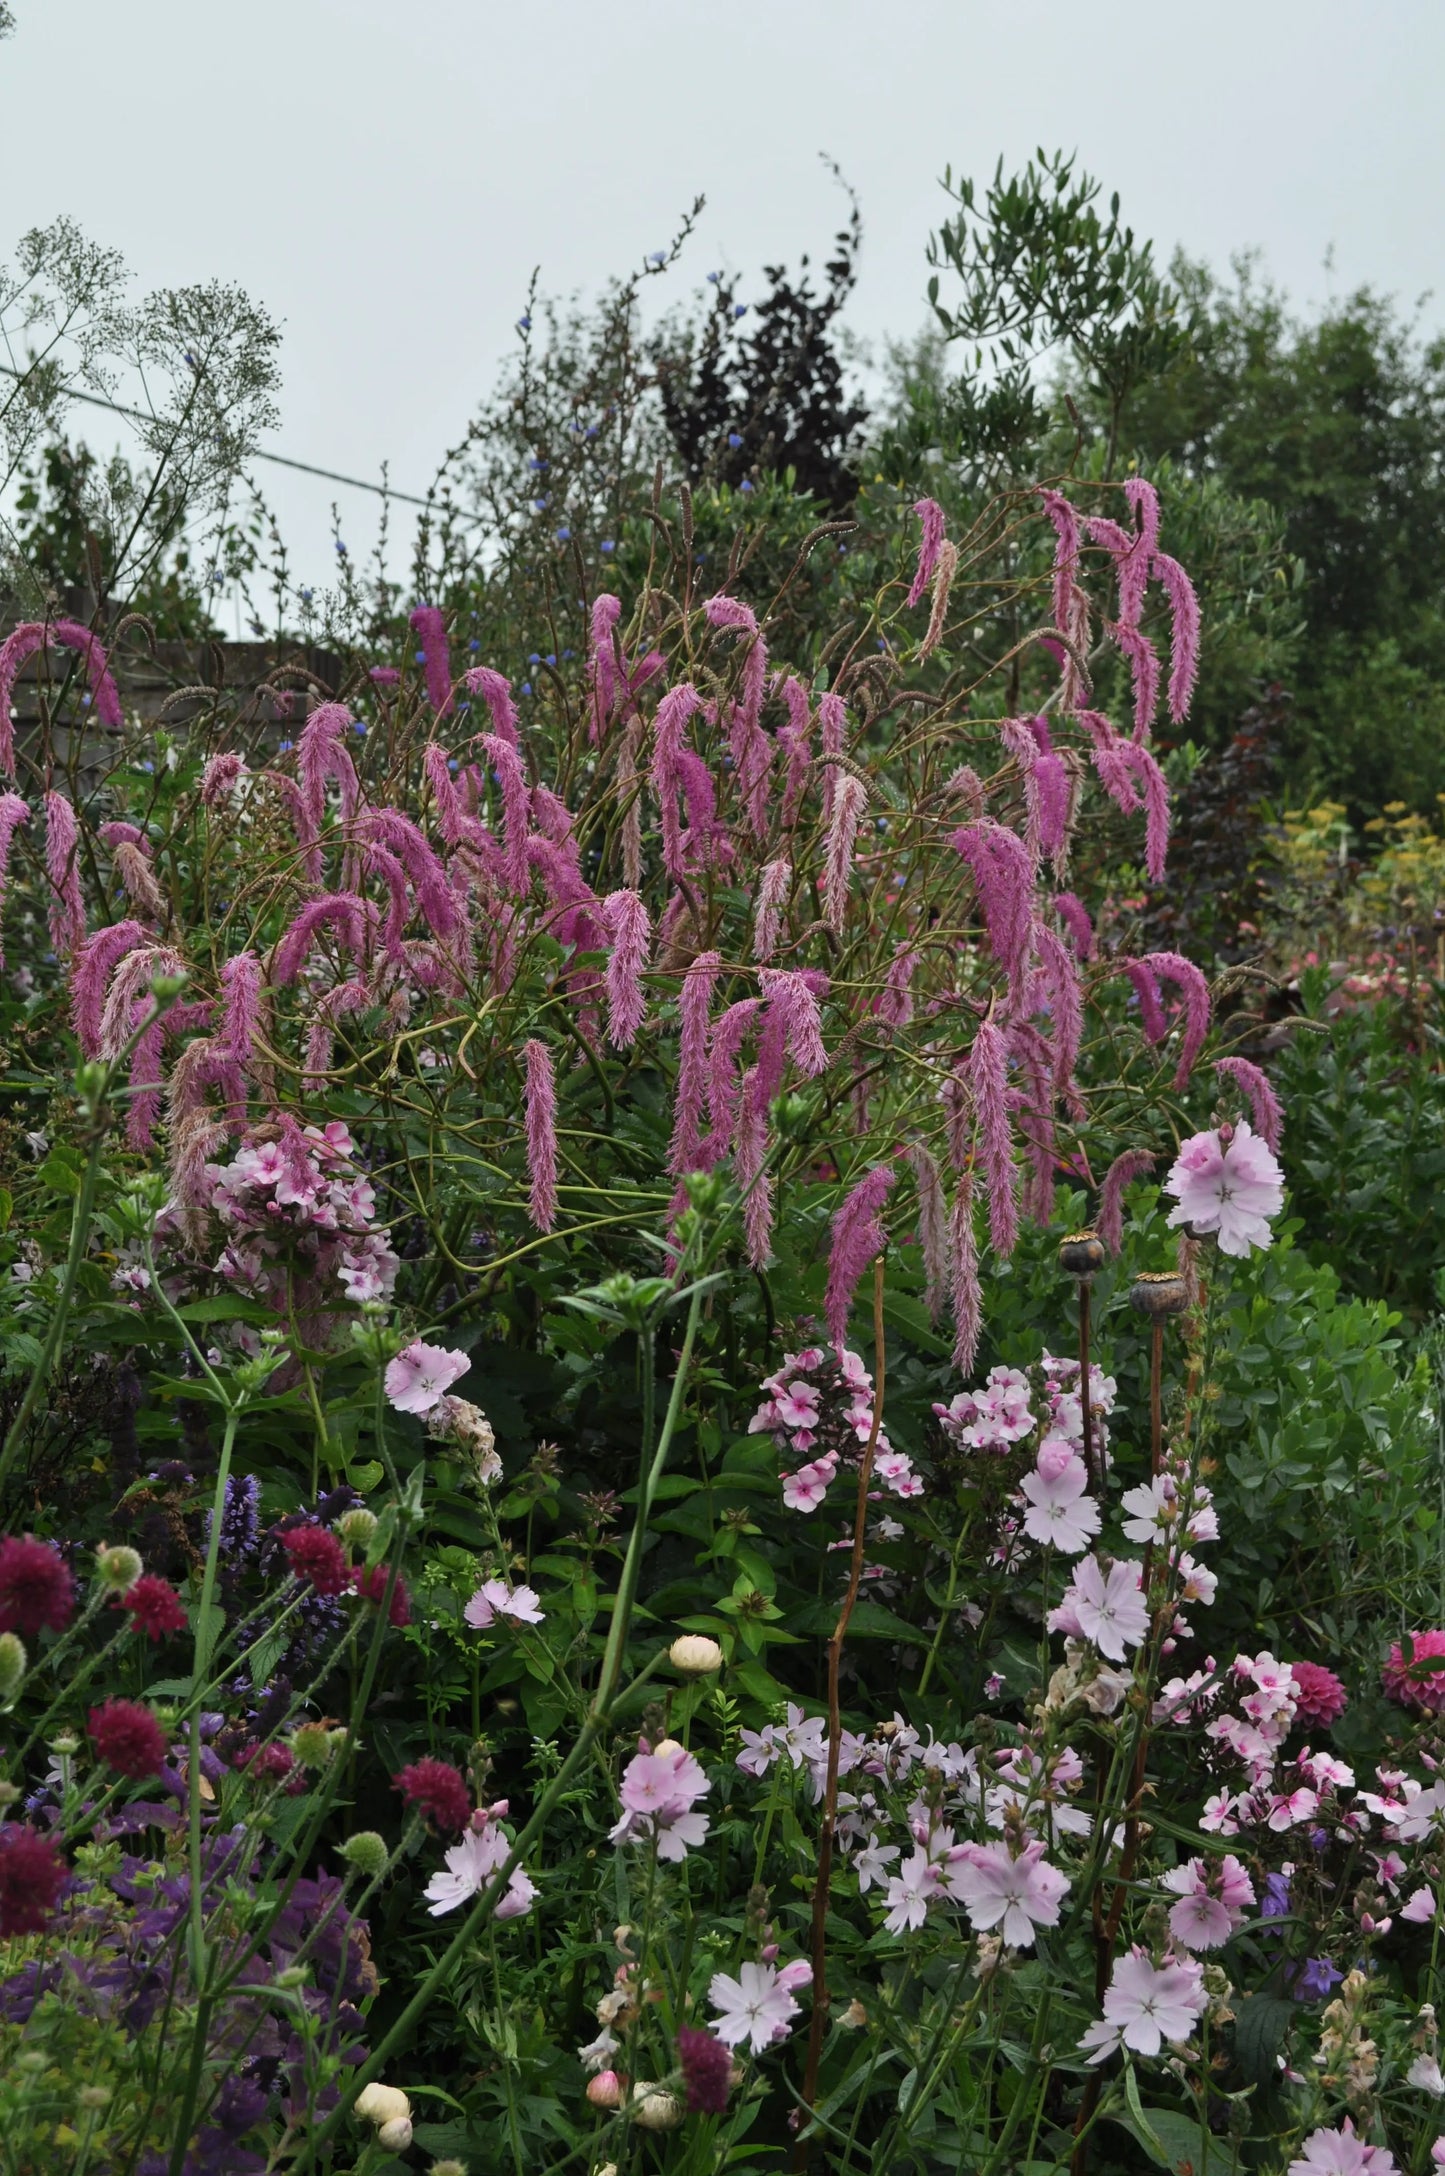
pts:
pixel 931 517
pixel 428 623
pixel 1122 1172
pixel 495 691
pixel 858 1236
pixel 65 907
pixel 694 1006
pixel 540 1101
pixel 625 918
pixel 13 813
pixel 988 1077
pixel 1265 1106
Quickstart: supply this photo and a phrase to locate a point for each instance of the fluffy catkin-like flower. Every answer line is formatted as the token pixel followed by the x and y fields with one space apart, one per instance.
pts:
pixel 352 918
pixel 23 643
pixel 1134 644
pixel 1194 991
pixel 752 751
pixel 894 1002
pixel 438 1791
pixel 932 1228
pixel 943 575
pixel 722 1087
pixel 32 1875
pixel 105 697
pixel 17 648
pixel 1264 1105
pixel 931 517
pixel 223 772
pixel 988 1077
pixel 540 1104
pixel 754 1181
pixel 963 1277
pixel 321 754
pixel 428 624
pixel 1156 810
pixel 13 813
pixel 128 1738
pixel 1059 978
pixel 694 1006
pixel 1184 634
pixel 37 1593
pixel 243 1006
pixel 858 1236
pixel 94 963
pixel 1075 918
pixel 495 691
pixel 850 801
pixel 1004 878
pixel 796 997
pixel 673 712
pixel 833 728
pixel 1064 520
pixel 773 888
pixel 602 663
pixel 65 907
pixel 1122 1172
pixel 625 919
pixel 793 739
pixel 506 764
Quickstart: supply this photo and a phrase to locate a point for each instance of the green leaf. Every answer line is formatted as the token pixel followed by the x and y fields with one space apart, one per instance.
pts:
pixel 58 1176
pixel 1260 2030
pixel 226 1307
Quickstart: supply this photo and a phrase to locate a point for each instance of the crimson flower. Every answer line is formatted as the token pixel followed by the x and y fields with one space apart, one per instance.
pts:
pixel 706 2070
pixel 127 1737
pixel 371 1586
pixel 154 1605
pixel 439 1791
pixel 37 1593
pixel 317 1555
pixel 32 1875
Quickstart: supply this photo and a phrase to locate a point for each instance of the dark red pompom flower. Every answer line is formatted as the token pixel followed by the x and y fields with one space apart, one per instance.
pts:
pixel 371 1586
pixel 127 1737
pixel 154 1605
pixel 37 1593
pixel 268 1763
pixel 32 1875
pixel 1320 1697
pixel 439 1791
pixel 317 1555
pixel 706 2070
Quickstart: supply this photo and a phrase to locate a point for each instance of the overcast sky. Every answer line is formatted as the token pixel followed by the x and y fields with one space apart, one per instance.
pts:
pixel 385 177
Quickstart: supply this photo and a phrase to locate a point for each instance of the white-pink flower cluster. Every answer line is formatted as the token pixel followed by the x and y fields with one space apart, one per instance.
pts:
pixel 661 1785
pixel 1227 1182
pixel 294 1208
pixel 1146 2004
pixel 472 1864
pixel 818 1408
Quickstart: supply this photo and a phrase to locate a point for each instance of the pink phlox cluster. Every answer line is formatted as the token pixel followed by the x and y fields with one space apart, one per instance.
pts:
pixel 992 1418
pixel 750 747
pixel 1156 1512
pixel 299 1204
pixel 818 1407
pixel 1213 1896
pixel 1146 2005
pixel 428 624
pixel 322 754
pixel 65 906
pixel 1265 1107
pixel 1034 1792
pixel 1227 1181
pixel 931 518
pixel 660 1788
pixel 1343 2153
pixel 857 1237
pixel 799 1739
pixel 1061 1514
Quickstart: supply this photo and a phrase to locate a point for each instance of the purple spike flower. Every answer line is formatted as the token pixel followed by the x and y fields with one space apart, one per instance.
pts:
pixel 353 919
pixel 428 623
pixel 540 1104
pixel 988 1077
pixel 1143 658
pixel 894 1002
pixel 833 728
pixel 931 517
pixel 1122 1172
pixel 1184 634
pixel 94 964
pixel 858 1236
pixel 793 738
pixel 495 691
pixel 65 907
pixel 963 1277
pixel 1264 1105
pixel 1194 991
pixel 932 1228
pixel 322 754
pixel 694 1006
pixel 625 919
pixel 242 1013
pixel 602 663
pixel 774 886
pixel 1075 917
pixel 849 804
pixel 673 712
pixel 1004 878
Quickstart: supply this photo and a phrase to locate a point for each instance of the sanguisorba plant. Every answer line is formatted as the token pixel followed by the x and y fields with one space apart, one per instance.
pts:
pixel 689 982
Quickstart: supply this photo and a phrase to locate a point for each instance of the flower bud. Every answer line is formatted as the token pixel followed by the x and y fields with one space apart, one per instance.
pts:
pixel 655 2109
pixel 367 1852
pixel 65 1745
pixel 12 1664
pixel 94 2096
pixel 119 1568
pixel 695 1655
pixel 448 2168
pixel 1081 1253
pixel 378 2103
pixel 311 1744
pixel 666 1747
pixel 606 2090
pixel 294 1976
pixel 396 2135
pixel 356 1526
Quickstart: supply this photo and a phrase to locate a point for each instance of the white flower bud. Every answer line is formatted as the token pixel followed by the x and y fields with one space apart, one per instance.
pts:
pixel 655 2108
pixel 695 1655
pixel 396 2135
pixel 383 2104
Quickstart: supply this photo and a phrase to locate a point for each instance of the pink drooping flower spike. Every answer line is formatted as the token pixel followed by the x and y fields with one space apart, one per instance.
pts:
pixel 626 921
pixel 22 644
pixel 988 1078
pixel 13 813
pixel 751 749
pixel 540 1106
pixel 428 624
pixel 1264 1105
pixel 1146 975
pixel 858 1236
pixel 495 691
pixel 1122 1172
pixel 65 908
pixel 694 1009
pixel 931 517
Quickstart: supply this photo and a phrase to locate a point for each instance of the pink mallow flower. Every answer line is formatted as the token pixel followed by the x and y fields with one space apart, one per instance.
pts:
pixel 1014 1894
pixel 1060 1510
pixel 1228 1184
pixel 659 1790
pixel 1145 2005
pixel 1212 1895
pixel 1105 1608
pixel 1340 2153
pixel 757 2006
pixel 494 1599
pixel 421 1375
pixel 471 1865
